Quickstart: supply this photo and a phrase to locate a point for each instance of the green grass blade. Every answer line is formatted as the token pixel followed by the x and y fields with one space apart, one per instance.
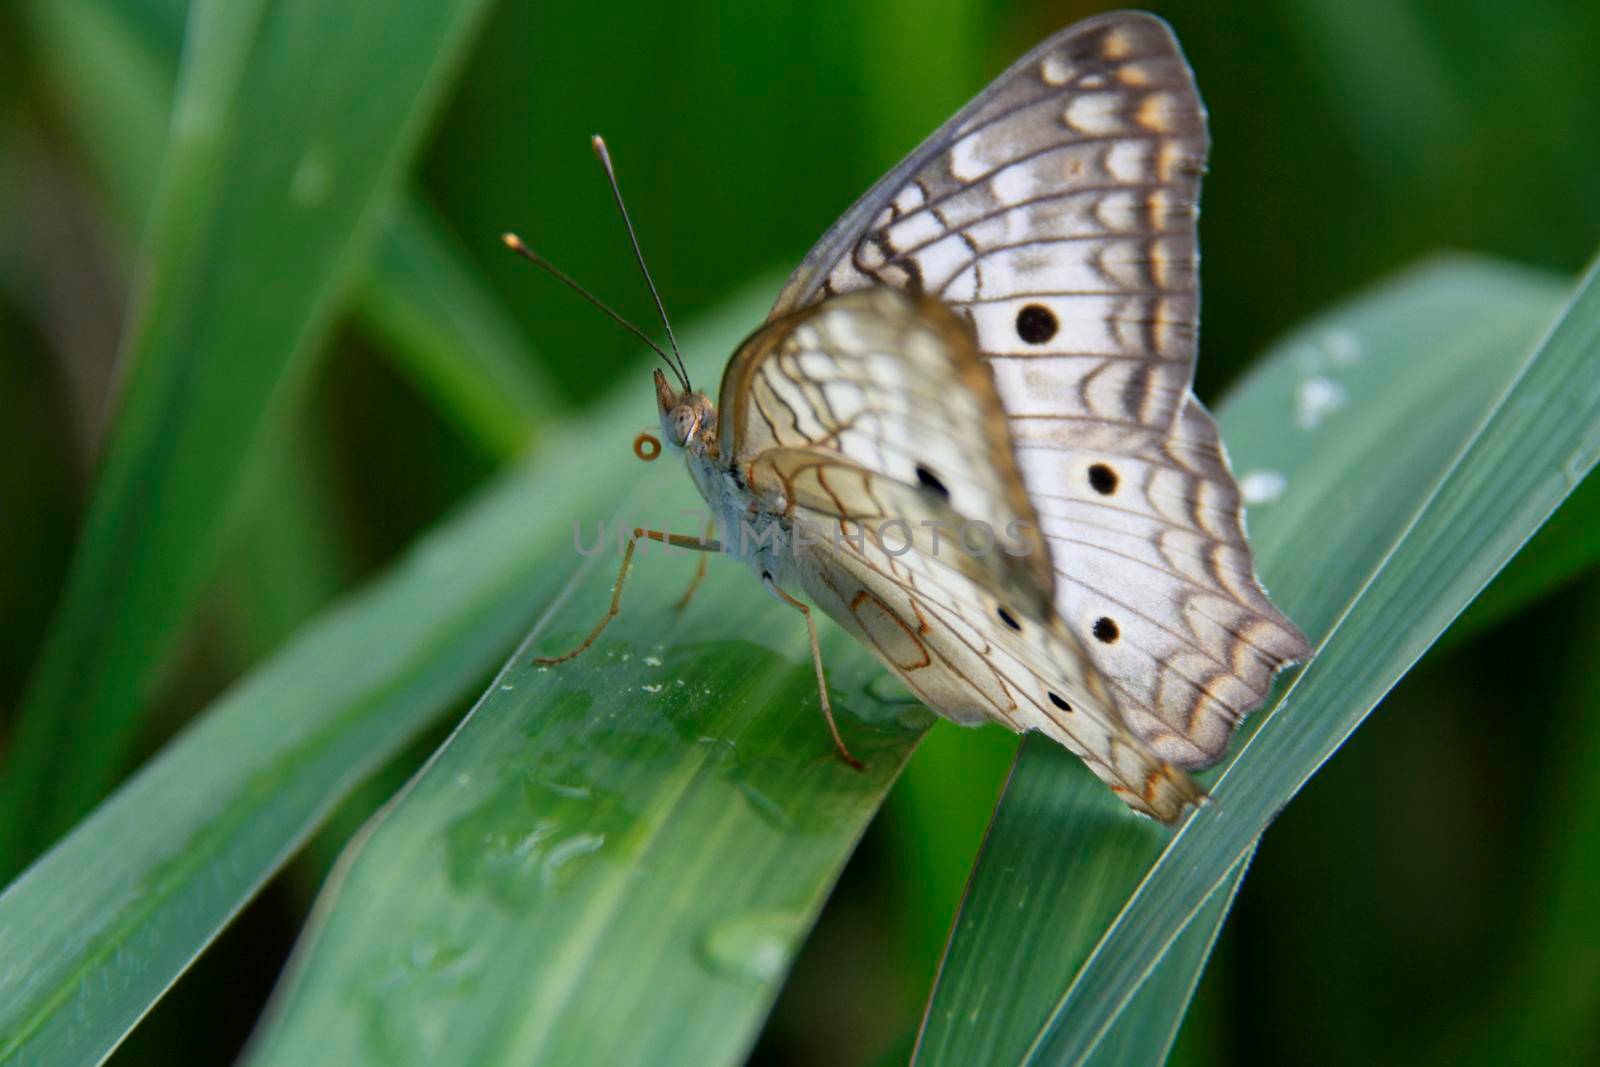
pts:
pixel 290 129
pixel 112 67
pixel 1414 366
pixel 1541 439
pixel 99 928
pixel 1562 550
pixel 642 834
pixel 445 333
pixel 1144 1033
pixel 115 90
pixel 951 785
pixel 1052 829
pixel 284 562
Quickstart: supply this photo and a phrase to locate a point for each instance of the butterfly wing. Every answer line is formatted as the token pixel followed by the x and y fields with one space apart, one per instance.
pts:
pixel 868 420
pixel 1056 212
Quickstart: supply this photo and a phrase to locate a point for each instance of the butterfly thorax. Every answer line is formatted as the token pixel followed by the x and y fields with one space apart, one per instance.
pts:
pixel 751 525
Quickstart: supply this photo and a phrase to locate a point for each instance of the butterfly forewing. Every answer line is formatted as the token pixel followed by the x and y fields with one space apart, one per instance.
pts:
pixel 891 388
pixel 1056 212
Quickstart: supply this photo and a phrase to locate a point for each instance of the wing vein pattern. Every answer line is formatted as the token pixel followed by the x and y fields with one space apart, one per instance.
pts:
pixel 1004 329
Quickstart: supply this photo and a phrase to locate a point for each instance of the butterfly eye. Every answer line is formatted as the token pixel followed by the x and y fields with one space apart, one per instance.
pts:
pixel 646 446
pixel 687 421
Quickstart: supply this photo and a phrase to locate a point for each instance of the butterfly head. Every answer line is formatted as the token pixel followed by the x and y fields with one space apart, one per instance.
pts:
pixel 688 419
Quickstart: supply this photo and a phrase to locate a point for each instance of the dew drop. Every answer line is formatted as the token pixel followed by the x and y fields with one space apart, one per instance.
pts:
pixel 559 855
pixel 1316 399
pixel 313 178
pixel 1342 346
pixel 753 947
pixel 1262 487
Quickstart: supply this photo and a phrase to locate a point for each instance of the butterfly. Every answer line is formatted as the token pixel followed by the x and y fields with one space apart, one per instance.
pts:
pixel 997 343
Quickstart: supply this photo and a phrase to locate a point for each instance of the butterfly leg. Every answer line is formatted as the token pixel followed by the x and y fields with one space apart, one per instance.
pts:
pixel 816 658
pixel 676 540
pixel 699 571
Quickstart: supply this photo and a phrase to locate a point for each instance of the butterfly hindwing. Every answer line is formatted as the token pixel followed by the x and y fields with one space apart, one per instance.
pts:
pixel 943 634
pixel 1056 213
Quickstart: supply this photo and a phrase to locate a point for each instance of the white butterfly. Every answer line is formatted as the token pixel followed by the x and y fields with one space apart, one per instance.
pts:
pixel 1003 331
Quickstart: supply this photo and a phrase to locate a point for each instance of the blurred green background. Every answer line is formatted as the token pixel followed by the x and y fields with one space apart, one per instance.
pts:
pixel 1423 900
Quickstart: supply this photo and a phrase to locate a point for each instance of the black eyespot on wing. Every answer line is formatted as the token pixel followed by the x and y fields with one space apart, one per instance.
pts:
pixel 930 481
pixel 1058 702
pixel 1009 619
pixel 1105 630
pixel 1103 479
pixel 1036 324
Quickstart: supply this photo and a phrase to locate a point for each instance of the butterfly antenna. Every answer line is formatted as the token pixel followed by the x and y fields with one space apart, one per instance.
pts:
pixel 616 191
pixel 513 242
